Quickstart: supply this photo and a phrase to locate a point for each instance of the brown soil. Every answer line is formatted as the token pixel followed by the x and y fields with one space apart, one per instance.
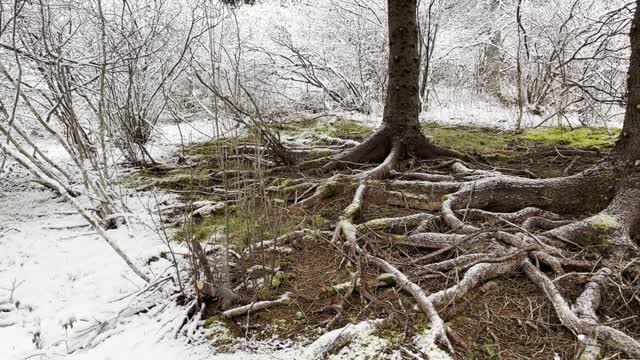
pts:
pixel 512 320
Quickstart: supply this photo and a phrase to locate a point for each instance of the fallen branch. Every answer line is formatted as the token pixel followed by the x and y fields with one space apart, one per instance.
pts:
pixel 337 338
pixel 257 306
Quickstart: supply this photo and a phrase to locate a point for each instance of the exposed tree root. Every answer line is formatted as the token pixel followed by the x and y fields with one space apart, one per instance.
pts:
pixel 582 320
pixel 380 144
pixel 465 194
pixel 337 338
pixel 458 224
pixel 438 330
pixel 401 225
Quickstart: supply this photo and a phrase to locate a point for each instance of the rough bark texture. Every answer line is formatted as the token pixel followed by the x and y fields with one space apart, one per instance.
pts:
pixel 402 104
pixel 628 148
pixel 402 101
pixel 627 151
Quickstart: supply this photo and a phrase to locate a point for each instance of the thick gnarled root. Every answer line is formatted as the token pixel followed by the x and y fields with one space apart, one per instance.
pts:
pixel 478 223
pixel 438 330
pixel 582 319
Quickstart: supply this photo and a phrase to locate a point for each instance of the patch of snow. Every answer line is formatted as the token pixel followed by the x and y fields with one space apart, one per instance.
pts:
pixel 65 278
pixel 425 342
pixel 362 347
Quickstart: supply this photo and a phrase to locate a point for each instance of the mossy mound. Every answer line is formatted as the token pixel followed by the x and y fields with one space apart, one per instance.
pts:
pixel 581 137
pixel 468 138
pixel 180 179
pixel 489 140
pixel 346 129
pixel 242 227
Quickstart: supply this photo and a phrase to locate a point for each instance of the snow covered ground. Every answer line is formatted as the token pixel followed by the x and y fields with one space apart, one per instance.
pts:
pixel 55 272
pixel 58 278
pixel 63 273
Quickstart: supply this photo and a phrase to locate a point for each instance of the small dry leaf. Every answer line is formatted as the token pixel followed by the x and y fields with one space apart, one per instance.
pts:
pixel 200 284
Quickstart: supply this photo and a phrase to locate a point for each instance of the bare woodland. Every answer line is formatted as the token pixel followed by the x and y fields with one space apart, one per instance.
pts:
pixel 282 226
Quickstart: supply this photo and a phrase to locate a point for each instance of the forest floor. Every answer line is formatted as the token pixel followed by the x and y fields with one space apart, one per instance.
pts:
pixel 512 318
pixel 62 274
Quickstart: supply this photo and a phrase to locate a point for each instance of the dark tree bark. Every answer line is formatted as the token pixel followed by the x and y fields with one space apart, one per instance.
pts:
pixel 402 104
pixel 626 154
pixel 628 147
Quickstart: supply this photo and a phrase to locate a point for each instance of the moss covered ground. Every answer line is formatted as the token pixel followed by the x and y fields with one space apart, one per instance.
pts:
pixel 240 224
pixel 309 269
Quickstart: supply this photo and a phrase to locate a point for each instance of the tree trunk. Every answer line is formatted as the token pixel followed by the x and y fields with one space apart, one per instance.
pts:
pixel 627 150
pixel 626 154
pixel 402 104
pixel 493 58
pixel 620 221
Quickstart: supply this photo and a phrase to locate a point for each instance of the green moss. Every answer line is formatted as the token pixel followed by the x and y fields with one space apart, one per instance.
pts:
pixel 491 350
pixel 294 127
pixel 376 224
pixel 347 129
pixel 243 227
pixel 468 138
pixel 299 316
pixel 457 321
pixel 602 225
pixel 283 327
pixel 181 179
pixel 210 322
pixel 498 143
pixel 318 221
pixel 336 289
pixel 219 333
pixel 319 153
pixel 277 279
pixel 263 293
pixel 203 228
pixel 333 188
pixel 420 322
pixel 393 336
pixel 211 148
pixel 583 137
pixel 311 164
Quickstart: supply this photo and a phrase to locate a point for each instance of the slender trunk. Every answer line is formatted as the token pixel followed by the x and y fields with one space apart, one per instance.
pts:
pixel 520 85
pixel 493 58
pixel 400 125
pixel 402 104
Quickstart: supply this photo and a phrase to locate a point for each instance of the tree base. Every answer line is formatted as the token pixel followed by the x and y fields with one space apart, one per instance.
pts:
pixel 379 145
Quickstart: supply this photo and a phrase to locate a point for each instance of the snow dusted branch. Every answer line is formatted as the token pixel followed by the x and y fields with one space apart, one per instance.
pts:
pixel 257 306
